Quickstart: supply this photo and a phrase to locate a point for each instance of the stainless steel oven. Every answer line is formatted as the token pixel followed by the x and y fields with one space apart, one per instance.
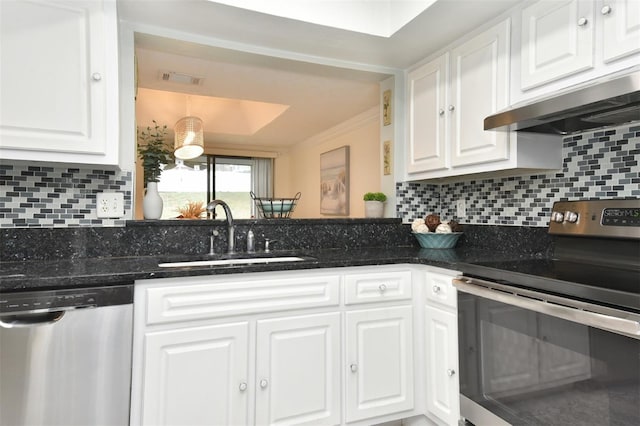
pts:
pixel 557 341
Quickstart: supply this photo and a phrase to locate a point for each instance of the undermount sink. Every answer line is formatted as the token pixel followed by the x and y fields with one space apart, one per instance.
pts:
pixel 232 261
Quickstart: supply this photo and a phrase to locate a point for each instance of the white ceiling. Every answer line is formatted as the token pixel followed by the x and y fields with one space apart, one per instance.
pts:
pixel 287 71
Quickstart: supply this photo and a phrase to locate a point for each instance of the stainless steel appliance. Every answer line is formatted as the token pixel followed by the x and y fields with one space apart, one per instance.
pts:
pixel 65 356
pixel 557 341
pixel 609 101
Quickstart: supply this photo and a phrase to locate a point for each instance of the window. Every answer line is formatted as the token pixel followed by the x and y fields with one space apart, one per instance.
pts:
pixel 232 184
pixel 182 183
pixel 231 179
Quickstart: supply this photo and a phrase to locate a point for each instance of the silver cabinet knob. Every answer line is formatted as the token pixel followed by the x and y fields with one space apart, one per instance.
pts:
pixel 382 288
pixel 96 76
pixel 243 386
pixel 436 289
pixel 450 372
pixel 582 21
pixel 264 383
pixel 451 108
pixel 440 111
pixel 605 10
pixel 354 368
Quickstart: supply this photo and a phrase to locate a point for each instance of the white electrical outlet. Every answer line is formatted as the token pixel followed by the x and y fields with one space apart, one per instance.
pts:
pixel 461 208
pixel 110 205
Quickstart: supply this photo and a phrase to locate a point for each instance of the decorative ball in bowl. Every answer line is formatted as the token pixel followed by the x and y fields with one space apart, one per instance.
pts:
pixel 434 240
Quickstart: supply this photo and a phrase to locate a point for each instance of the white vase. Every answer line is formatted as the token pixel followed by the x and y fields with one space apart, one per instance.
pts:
pixel 373 209
pixel 152 202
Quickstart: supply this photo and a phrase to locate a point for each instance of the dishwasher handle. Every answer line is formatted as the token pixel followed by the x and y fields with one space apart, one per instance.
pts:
pixel 31 320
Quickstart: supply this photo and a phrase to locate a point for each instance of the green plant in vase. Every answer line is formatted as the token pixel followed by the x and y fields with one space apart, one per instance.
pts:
pixel 153 152
pixel 375 196
pixel 374 204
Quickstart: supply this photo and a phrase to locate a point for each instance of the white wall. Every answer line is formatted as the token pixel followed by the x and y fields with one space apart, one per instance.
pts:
pixel 299 169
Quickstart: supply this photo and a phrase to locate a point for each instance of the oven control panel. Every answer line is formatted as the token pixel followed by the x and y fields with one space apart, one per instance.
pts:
pixel 599 218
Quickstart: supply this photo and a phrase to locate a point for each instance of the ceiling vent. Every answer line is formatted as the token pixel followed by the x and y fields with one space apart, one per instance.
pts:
pixel 176 77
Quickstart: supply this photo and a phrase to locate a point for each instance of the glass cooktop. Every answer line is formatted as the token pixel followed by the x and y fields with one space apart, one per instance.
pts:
pixel 617 286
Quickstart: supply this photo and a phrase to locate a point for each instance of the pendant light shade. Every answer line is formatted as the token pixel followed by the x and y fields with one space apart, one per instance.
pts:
pixel 189 138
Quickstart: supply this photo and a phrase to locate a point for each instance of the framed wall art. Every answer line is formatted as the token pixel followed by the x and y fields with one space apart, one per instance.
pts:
pixel 386 107
pixel 334 182
pixel 387 157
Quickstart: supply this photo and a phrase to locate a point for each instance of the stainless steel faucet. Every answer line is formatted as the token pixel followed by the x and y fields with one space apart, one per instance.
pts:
pixel 231 227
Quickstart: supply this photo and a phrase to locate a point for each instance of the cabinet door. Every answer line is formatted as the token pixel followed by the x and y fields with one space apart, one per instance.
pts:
pixel 480 87
pixel 443 399
pixel 621 28
pixel 427 88
pixel 196 376
pixel 557 41
pixel 379 362
pixel 58 61
pixel 297 371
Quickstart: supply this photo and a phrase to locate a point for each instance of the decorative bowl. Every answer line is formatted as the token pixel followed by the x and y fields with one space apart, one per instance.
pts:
pixel 271 208
pixel 277 207
pixel 432 240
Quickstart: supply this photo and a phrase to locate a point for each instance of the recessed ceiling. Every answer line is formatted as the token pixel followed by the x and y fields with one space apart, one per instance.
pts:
pixel 245 99
pixel 374 17
pixel 222 116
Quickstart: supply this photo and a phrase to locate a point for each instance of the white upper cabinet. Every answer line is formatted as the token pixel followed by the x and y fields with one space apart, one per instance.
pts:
pixel 448 100
pixel 59 81
pixel 621 28
pixel 428 144
pixel 562 43
pixel 479 88
pixel 557 40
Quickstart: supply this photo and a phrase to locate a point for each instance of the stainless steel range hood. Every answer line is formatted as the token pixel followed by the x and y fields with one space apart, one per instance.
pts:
pixel 604 103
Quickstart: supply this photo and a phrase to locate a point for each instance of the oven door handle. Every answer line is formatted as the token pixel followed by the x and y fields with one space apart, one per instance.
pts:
pixel 560 307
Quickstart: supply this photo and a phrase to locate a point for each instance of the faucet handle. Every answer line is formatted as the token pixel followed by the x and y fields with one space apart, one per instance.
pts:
pixel 212 238
pixel 267 243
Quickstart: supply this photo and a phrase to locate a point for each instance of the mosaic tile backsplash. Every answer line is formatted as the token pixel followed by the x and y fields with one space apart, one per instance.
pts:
pixel 600 164
pixel 38 196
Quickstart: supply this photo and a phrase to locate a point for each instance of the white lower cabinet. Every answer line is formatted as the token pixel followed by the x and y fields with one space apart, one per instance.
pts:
pixel 298 370
pixel 380 362
pixel 441 349
pixel 442 370
pixel 196 376
pixel 337 347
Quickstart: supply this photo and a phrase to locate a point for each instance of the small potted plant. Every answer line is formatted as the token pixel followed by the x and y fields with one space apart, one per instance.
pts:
pixel 374 204
pixel 153 152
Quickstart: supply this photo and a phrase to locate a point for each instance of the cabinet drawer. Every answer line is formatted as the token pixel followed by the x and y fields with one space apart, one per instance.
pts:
pixel 441 290
pixel 378 287
pixel 184 302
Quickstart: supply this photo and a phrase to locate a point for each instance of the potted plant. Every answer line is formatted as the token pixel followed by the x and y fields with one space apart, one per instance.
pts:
pixel 374 204
pixel 153 152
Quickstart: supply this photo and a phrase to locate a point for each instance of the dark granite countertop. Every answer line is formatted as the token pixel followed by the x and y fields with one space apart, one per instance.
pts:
pixel 89 272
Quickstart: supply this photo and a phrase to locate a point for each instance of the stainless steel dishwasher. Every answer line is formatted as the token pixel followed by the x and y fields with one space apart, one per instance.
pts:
pixel 65 356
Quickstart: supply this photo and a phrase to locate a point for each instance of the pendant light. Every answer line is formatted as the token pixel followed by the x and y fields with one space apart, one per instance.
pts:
pixel 189 136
